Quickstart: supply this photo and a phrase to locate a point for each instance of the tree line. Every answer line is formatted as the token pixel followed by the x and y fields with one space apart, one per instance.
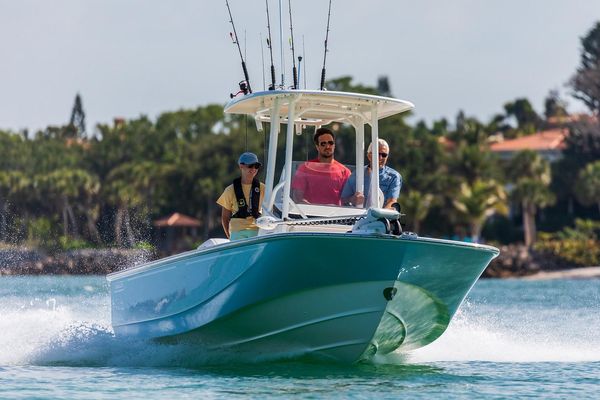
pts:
pixel 61 187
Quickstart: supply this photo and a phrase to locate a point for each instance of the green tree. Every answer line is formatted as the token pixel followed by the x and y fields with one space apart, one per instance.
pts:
pixel 15 151
pixel 77 120
pixel 582 146
pixel 554 106
pixel 469 131
pixel 190 125
pixel 416 206
pixel 72 190
pixel 479 201
pixel 16 196
pixel 531 176
pixel 527 119
pixel 578 245
pixel 344 84
pixel 473 162
pixel 586 81
pixel 587 187
pixel 121 194
pixel 136 190
pixel 383 86
pixel 13 187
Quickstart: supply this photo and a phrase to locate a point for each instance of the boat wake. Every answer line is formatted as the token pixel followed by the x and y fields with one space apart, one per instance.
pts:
pixel 62 337
pixel 59 337
pixel 528 337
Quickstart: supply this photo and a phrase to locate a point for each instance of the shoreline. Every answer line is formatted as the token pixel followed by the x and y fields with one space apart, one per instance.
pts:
pixel 72 262
pixel 574 273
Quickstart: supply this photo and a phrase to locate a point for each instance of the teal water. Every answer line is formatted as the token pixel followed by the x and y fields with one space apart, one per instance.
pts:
pixel 511 338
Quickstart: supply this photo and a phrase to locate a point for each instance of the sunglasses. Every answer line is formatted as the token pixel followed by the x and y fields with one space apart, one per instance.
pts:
pixel 330 142
pixel 255 166
pixel 383 155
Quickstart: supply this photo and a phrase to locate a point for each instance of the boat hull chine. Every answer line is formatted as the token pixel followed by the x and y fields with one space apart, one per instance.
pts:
pixel 334 322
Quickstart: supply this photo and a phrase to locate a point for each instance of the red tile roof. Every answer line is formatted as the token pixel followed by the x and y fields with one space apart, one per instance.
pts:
pixel 553 139
pixel 177 219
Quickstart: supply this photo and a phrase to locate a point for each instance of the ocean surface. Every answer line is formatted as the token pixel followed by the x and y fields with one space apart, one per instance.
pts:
pixel 511 338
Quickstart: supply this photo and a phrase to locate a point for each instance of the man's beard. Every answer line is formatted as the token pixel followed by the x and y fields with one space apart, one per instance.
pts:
pixel 326 155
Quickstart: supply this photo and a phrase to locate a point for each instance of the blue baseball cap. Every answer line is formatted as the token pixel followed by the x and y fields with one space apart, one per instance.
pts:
pixel 248 158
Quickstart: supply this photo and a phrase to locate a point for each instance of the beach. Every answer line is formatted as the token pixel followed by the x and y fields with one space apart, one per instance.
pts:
pixel 575 273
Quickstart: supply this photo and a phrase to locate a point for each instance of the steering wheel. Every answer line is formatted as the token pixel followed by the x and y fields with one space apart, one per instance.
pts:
pixel 271 202
pixel 293 204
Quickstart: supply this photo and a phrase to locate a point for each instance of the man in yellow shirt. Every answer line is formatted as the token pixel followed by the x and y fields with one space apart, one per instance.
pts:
pixel 241 201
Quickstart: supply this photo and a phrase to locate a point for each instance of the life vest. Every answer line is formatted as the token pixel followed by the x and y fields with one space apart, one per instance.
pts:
pixel 247 210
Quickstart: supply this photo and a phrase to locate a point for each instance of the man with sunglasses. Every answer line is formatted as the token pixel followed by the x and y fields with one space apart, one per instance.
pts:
pixel 242 199
pixel 390 181
pixel 321 180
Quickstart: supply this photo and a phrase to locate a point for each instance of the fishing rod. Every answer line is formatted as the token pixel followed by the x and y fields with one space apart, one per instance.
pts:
pixel 281 48
pixel 270 46
pixel 294 70
pixel 325 53
pixel 244 85
pixel 299 68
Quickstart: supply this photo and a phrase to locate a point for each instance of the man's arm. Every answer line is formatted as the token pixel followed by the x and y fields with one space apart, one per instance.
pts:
pixel 225 218
pixel 389 202
pixel 357 199
pixel 298 185
pixel 298 196
pixel 394 191
pixel 349 195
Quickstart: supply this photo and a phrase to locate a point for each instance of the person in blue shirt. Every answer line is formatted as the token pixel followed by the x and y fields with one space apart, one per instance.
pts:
pixel 390 181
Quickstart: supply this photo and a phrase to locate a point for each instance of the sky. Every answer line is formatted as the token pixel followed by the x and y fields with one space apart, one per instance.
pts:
pixel 128 58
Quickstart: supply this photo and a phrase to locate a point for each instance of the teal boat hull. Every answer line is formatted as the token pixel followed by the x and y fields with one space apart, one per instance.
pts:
pixel 343 297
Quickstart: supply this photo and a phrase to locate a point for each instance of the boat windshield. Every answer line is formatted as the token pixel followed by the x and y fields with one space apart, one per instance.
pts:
pixel 316 190
pixel 314 182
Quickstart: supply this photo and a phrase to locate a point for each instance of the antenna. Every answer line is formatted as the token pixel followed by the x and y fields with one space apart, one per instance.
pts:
pixel 270 46
pixel 294 71
pixel 244 85
pixel 325 53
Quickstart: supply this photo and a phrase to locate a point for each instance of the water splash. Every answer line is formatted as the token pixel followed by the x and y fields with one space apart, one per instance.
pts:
pixel 468 338
pixel 56 336
pixel 531 336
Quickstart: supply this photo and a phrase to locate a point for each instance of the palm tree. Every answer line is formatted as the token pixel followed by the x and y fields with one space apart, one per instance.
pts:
pixel 135 186
pixel 587 187
pixel 60 187
pixel 416 205
pixel 4 190
pixel 479 201
pixel 531 176
pixel 473 162
pixel 124 196
pixel 70 188
pixel 14 186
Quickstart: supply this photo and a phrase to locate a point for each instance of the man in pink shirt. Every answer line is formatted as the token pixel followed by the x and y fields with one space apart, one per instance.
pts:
pixel 321 180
